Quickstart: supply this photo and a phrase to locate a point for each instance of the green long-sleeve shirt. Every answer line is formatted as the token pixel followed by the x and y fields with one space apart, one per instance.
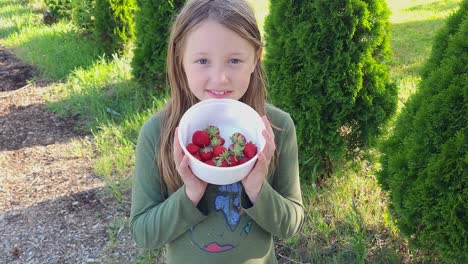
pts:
pixel 224 227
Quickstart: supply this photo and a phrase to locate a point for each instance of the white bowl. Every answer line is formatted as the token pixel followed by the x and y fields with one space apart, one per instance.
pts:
pixel 229 116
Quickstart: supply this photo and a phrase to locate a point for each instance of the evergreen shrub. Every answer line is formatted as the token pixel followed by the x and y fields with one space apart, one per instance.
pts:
pixel 325 62
pixel 153 21
pixel 114 24
pixel 59 9
pixel 425 159
pixel 83 14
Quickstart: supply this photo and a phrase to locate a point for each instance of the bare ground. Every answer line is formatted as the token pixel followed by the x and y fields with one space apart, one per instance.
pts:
pixel 53 208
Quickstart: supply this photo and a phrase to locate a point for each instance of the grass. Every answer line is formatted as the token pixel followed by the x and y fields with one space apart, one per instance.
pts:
pixel 347 216
pixel 413 24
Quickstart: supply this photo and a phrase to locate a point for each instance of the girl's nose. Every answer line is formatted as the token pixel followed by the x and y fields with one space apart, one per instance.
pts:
pixel 219 75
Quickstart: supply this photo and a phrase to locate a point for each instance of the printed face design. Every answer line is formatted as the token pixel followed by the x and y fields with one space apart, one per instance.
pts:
pixel 237 226
pixel 218 62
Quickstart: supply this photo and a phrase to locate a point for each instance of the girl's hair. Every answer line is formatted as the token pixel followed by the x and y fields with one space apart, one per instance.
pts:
pixel 235 15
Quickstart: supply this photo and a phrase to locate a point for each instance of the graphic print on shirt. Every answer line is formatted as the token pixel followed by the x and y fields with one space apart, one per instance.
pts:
pixel 226 202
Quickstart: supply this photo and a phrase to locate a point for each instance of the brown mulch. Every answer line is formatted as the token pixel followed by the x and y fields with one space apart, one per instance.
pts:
pixel 13 75
pixel 53 208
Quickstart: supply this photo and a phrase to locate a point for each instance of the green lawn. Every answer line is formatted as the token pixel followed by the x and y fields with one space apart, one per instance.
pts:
pixel 413 24
pixel 347 217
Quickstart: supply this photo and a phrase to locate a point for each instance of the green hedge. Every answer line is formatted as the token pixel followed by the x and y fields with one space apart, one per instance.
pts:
pixel 80 12
pixel 60 9
pixel 114 24
pixel 325 65
pixel 153 21
pixel 425 159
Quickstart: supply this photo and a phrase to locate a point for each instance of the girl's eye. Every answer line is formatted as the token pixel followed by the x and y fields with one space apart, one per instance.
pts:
pixel 202 61
pixel 235 61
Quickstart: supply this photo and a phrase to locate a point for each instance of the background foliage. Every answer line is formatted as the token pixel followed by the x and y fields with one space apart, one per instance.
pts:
pixel 425 160
pixel 153 20
pixel 325 64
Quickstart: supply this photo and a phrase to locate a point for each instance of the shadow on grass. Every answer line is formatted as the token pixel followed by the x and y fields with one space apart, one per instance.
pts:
pixel 16 12
pixel 116 103
pixel 7 31
pixel 58 53
pixel 440 6
pixel 412 43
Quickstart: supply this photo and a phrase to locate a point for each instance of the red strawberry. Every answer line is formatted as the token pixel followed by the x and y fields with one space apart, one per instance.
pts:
pixel 243 160
pixel 210 162
pixel 215 141
pixel 221 163
pixel 193 149
pixel 206 153
pixel 212 131
pixel 236 150
pixel 250 150
pixel 201 138
pixel 198 157
pixel 233 161
pixel 238 138
pixel 218 150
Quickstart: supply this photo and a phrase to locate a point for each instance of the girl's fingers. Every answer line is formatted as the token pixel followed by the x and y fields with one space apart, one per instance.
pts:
pixel 260 169
pixel 178 152
pixel 269 146
pixel 268 126
pixel 184 170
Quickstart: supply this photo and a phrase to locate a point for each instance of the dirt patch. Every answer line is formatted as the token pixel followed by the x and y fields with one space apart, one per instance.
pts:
pixel 13 73
pixel 53 208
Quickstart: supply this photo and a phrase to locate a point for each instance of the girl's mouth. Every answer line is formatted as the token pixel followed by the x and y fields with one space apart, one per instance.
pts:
pixel 218 93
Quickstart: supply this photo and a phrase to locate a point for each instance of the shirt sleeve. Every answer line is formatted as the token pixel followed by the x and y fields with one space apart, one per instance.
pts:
pixel 279 209
pixel 155 221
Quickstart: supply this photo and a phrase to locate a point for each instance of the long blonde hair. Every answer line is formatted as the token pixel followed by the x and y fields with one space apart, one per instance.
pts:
pixel 239 17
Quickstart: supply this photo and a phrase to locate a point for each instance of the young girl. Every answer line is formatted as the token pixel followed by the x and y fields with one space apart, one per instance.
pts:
pixel 214 51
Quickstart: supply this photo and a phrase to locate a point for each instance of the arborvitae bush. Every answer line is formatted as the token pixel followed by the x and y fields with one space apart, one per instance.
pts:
pixel 114 24
pixel 425 159
pixel 83 14
pixel 153 21
pixel 80 12
pixel 325 64
pixel 60 9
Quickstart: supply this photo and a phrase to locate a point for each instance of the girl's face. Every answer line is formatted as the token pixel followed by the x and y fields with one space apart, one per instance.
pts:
pixel 218 62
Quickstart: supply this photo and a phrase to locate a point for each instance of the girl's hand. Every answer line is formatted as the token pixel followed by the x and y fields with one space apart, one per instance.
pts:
pixel 254 181
pixel 194 187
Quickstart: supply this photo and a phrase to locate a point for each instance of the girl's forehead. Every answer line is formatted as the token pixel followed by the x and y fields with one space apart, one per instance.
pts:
pixel 211 36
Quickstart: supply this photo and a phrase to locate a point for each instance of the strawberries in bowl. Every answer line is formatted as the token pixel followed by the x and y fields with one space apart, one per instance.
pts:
pixel 222 138
pixel 209 147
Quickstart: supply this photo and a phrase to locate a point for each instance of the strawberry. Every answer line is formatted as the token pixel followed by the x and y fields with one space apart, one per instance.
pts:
pixel 198 157
pixel 238 138
pixel 215 142
pixel 236 150
pixel 243 160
pixel 221 163
pixel 210 162
pixel 218 150
pixel 212 131
pixel 206 153
pixel 250 150
pixel 201 138
pixel 193 149
pixel 233 161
